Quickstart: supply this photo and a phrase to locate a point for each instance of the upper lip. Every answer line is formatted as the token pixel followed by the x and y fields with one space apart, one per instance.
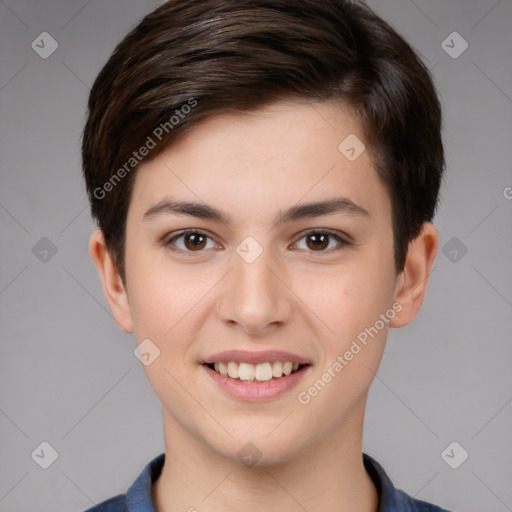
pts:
pixel 244 356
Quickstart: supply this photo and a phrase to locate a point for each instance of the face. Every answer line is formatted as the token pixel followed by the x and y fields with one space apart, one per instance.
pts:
pixel 262 279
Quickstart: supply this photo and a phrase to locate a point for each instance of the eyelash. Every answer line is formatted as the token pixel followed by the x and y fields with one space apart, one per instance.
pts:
pixel 334 234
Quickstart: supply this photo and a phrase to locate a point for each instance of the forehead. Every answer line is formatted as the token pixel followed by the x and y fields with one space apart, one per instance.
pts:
pixel 286 153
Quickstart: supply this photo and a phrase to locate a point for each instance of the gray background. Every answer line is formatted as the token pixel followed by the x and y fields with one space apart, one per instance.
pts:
pixel 69 377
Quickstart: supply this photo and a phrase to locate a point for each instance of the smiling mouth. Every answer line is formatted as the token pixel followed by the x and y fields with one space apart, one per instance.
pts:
pixel 262 372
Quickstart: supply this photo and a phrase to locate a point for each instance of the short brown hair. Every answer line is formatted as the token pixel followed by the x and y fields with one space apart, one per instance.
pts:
pixel 187 61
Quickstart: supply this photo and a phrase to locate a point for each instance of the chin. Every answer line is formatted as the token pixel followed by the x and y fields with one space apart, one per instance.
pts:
pixel 252 447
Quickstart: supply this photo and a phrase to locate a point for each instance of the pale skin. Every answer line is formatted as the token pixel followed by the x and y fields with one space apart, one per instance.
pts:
pixel 295 297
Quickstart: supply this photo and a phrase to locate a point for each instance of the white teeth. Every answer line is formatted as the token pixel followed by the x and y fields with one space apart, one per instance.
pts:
pixel 277 369
pixel 246 371
pixel 260 372
pixel 223 368
pixel 233 370
pixel 263 371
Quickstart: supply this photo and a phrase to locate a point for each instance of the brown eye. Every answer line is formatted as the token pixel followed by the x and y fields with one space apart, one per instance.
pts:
pixel 191 241
pixel 318 241
pixel 194 241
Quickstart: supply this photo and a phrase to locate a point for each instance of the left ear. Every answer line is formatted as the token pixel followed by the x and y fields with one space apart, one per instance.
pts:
pixel 411 284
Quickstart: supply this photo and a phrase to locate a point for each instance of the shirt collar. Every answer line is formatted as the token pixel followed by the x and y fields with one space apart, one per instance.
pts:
pixel 389 498
pixel 138 496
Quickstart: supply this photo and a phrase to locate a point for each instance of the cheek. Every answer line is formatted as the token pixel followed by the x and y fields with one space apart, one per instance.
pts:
pixel 165 308
pixel 350 298
pixel 351 305
pixel 165 301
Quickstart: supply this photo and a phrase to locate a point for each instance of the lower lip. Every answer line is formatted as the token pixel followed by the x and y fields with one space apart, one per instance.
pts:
pixel 256 391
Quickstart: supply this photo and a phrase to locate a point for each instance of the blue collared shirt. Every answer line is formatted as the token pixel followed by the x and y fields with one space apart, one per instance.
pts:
pixel 138 496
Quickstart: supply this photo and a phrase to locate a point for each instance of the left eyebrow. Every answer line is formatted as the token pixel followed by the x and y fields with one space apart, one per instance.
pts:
pixel 306 210
pixel 337 205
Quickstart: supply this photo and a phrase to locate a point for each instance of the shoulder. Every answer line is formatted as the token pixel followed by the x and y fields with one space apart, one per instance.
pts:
pixel 138 496
pixel 410 504
pixel 115 504
pixel 392 499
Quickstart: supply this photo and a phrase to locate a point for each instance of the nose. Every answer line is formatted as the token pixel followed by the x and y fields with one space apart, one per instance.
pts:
pixel 254 296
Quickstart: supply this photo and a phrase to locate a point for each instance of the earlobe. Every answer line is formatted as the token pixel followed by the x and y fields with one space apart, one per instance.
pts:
pixel 113 286
pixel 411 284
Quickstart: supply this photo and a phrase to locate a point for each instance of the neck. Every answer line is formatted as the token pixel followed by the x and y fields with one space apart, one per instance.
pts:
pixel 328 475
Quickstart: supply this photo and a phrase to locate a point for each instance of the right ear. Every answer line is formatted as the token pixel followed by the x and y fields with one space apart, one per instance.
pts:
pixel 113 286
